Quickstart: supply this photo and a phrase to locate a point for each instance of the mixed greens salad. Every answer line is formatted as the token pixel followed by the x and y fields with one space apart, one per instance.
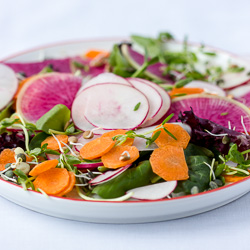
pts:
pixel 153 118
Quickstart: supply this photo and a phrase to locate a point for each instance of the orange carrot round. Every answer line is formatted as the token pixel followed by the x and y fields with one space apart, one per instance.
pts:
pixel 91 54
pixel 181 135
pixel 52 181
pixel 184 91
pixel 42 167
pixel 52 143
pixel 6 156
pixel 113 159
pixel 72 181
pixel 169 163
pixel 96 148
pixel 233 178
pixel 111 134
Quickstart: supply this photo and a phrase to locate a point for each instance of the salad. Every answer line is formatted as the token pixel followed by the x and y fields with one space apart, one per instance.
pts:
pixel 151 119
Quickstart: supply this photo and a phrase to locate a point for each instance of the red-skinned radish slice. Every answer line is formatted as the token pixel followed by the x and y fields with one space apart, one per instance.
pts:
pixel 107 176
pixel 41 93
pixel 209 88
pixel 110 106
pixel 154 192
pixel 154 98
pixel 218 109
pixel 154 71
pixel 103 78
pixel 165 98
pixel 8 85
pixel 241 94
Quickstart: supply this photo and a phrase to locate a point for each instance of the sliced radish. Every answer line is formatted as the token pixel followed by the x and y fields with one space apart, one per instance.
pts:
pixel 109 106
pixel 8 85
pixel 107 176
pixel 136 60
pixel 41 93
pixel 208 87
pixel 154 191
pixel 154 98
pixel 89 165
pixel 241 94
pixel 218 109
pixel 103 78
pixel 165 105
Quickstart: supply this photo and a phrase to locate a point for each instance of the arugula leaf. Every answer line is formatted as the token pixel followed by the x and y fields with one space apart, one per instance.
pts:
pixel 54 119
pixel 131 178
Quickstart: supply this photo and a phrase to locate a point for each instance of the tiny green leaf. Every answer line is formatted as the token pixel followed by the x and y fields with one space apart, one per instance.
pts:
pixel 72 160
pixel 137 106
pixel 183 82
pixel 169 133
pixel 167 119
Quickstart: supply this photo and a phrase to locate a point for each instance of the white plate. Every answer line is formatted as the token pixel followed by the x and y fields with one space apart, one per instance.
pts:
pixel 112 212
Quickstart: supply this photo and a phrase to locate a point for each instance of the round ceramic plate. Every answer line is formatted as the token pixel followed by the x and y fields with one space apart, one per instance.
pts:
pixel 112 212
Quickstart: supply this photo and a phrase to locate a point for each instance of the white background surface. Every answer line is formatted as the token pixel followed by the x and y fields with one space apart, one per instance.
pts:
pixel 26 24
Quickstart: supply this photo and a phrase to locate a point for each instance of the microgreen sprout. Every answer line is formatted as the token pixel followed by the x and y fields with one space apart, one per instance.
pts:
pixel 243 125
pixel 214 134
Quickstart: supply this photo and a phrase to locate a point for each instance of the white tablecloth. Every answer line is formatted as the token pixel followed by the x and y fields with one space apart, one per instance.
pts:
pixel 26 24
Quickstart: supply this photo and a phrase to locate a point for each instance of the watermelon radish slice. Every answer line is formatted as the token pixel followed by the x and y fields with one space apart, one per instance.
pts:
pixel 165 98
pixel 33 68
pixel 154 98
pixel 154 71
pixel 154 191
pixel 241 94
pixel 107 176
pixel 209 88
pixel 43 92
pixel 8 85
pixel 220 110
pixel 110 106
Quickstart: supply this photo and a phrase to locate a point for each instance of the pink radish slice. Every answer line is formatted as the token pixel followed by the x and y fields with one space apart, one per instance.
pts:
pixel 89 165
pixel 81 141
pixel 165 98
pixel 43 92
pixel 154 98
pixel 218 109
pixel 8 85
pixel 107 176
pixel 32 68
pixel 110 106
pixel 103 78
pixel 208 87
pixel 136 60
pixel 241 94
pixel 154 191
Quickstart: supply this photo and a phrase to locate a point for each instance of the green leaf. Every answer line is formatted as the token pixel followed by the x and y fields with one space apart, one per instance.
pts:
pixel 131 178
pixel 137 106
pixel 165 36
pixel 36 151
pixel 52 152
pixel 7 122
pixel 72 160
pixel 234 155
pixel 6 112
pixel 31 126
pixel 183 82
pixel 37 140
pixel 55 119
pixel 20 174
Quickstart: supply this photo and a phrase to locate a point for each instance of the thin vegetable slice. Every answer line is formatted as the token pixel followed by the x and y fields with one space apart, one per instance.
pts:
pixel 52 181
pixel 96 148
pixel 181 135
pixel 185 91
pixel 52 142
pixel 111 134
pixel 42 167
pixel 120 156
pixel 72 182
pixel 233 178
pixel 169 163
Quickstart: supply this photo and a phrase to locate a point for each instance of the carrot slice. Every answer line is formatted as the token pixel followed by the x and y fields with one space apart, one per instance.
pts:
pixel 181 135
pixel 42 167
pixel 233 178
pixel 169 163
pixel 128 142
pixel 6 156
pixel 112 158
pixel 52 181
pixel 184 91
pixel 91 54
pixel 96 148
pixel 72 181
pixel 52 143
